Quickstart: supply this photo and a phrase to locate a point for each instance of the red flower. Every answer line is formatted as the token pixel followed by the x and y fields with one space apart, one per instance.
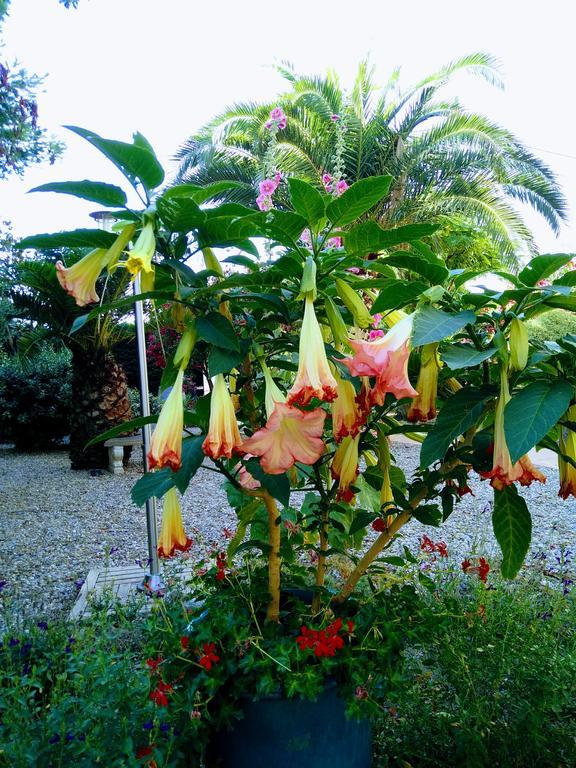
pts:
pixel 159 694
pixel 379 525
pixel 466 565
pixel 209 657
pixel 154 663
pixel 427 545
pixel 441 548
pixel 184 643
pixel 324 642
pixel 221 562
pixel 483 569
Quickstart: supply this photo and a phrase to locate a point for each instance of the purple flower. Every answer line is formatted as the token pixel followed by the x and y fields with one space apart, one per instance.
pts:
pixel 79 583
pixel 334 118
pixel 42 625
pixel 81 737
pixel 341 187
pixel 164 728
pixel 113 550
pixel 54 739
pixel 69 737
pixel 13 642
pixel 2 584
pixel 264 202
pixel 148 725
pixel 282 124
pixel 277 114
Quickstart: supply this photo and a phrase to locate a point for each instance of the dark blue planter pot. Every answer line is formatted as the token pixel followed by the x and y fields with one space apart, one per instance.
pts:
pixel 295 733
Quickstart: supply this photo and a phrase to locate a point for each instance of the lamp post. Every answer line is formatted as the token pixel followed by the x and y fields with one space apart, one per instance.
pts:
pixel 152 583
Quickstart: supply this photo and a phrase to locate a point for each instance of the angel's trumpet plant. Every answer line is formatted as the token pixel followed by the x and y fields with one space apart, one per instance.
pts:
pixel 223 438
pixel 345 467
pixel 172 535
pixel 423 407
pixel 346 415
pixel 166 444
pixel 140 256
pixel 568 448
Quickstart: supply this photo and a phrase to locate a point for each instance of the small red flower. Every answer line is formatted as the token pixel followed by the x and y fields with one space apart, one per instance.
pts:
pixel 228 534
pixel 324 642
pixel 483 569
pixel 379 525
pixel 221 562
pixel 159 694
pixel 184 642
pixel 153 664
pixel 427 545
pixel 442 548
pixel 466 565
pixel 209 657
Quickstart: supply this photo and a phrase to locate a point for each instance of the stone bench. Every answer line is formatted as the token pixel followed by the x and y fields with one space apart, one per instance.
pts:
pixel 116 447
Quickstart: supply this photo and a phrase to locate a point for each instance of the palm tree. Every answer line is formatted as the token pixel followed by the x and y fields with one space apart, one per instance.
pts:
pixel 447 163
pixel 99 389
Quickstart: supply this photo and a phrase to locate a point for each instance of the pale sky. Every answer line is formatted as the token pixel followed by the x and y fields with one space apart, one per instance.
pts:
pixel 164 67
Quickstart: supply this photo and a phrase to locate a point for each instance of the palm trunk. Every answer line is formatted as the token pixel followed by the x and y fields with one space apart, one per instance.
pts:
pixel 99 402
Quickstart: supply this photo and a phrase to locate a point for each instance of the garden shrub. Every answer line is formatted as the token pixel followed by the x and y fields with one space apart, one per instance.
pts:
pixel 551 325
pixel 35 400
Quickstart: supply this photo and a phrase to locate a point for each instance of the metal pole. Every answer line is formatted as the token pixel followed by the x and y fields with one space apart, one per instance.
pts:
pixel 152 583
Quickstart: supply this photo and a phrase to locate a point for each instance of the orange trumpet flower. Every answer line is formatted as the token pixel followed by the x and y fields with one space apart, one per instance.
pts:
pixel 223 438
pixel 172 534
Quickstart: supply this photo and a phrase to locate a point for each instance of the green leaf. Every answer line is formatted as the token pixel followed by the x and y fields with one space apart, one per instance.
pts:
pixel 180 214
pixel 76 238
pixel 284 226
pixel 362 518
pixel 428 514
pixel 278 486
pixel 513 529
pixel 212 191
pixel 458 356
pixel 397 293
pixel 134 160
pixel 152 484
pixel 120 429
pixel 358 199
pixel 243 261
pixel 216 329
pixel 224 360
pixel 532 412
pixel 96 191
pixel 541 267
pixel 434 271
pixel 307 201
pixel 458 414
pixel 192 458
pixel 431 324
pixel 369 237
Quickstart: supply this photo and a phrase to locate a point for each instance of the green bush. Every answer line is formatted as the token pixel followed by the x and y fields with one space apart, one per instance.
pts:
pixel 35 400
pixel 551 325
pixel 494 688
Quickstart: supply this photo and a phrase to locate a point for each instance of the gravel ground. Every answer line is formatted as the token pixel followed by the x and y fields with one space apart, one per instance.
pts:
pixel 56 524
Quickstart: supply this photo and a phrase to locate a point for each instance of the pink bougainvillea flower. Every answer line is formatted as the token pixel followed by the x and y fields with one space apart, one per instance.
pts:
pixel 314 377
pixel 346 415
pixel 172 534
pixel 264 202
pixel 334 242
pixel 290 435
pixel 166 444
pixel 387 360
pixel 268 186
pixel 327 182
pixel 423 407
pixel 223 438
pixel 341 187
pixel 503 472
pixel 79 280
pixel 277 113
pixel 345 467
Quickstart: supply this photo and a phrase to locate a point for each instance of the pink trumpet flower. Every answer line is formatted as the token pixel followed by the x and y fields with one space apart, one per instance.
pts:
pixel 79 280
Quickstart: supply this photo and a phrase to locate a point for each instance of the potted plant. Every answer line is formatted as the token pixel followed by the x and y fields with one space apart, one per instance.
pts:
pixel 330 336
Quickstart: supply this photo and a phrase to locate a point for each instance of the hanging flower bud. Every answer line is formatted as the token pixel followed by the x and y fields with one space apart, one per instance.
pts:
pixel 336 323
pixel 223 438
pixel 166 444
pixel 118 246
pixel 423 406
pixel 346 416
pixel 172 534
pixel 185 347
pixel 308 282
pixel 290 435
pixel 273 393
pixel 518 345
pixel 354 304
pixel 211 262
pixel 314 377
pixel 140 256
pixel 568 448
pixel 345 467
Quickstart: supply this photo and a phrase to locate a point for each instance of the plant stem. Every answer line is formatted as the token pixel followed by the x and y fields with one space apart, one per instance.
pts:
pixel 370 556
pixel 274 561
pixel 321 568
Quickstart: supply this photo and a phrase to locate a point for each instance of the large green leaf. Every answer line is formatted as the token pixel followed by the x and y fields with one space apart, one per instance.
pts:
pixel 513 529
pixel 136 161
pixel 428 514
pixel 216 329
pixel 152 484
pixel 120 429
pixel 284 226
pixel 458 356
pixel 458 414
pixel 200 194
pixel 224 360
pixel 278 486
pixel 192 458
pixel 431 324
pixel 358 199
pixel 369 237
pixel 180 214
pixel 397 293
pixel 532 412
pixel 307 201
pixel 96 191
pixel 541 267
pixel 432 270
pixel 76 238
